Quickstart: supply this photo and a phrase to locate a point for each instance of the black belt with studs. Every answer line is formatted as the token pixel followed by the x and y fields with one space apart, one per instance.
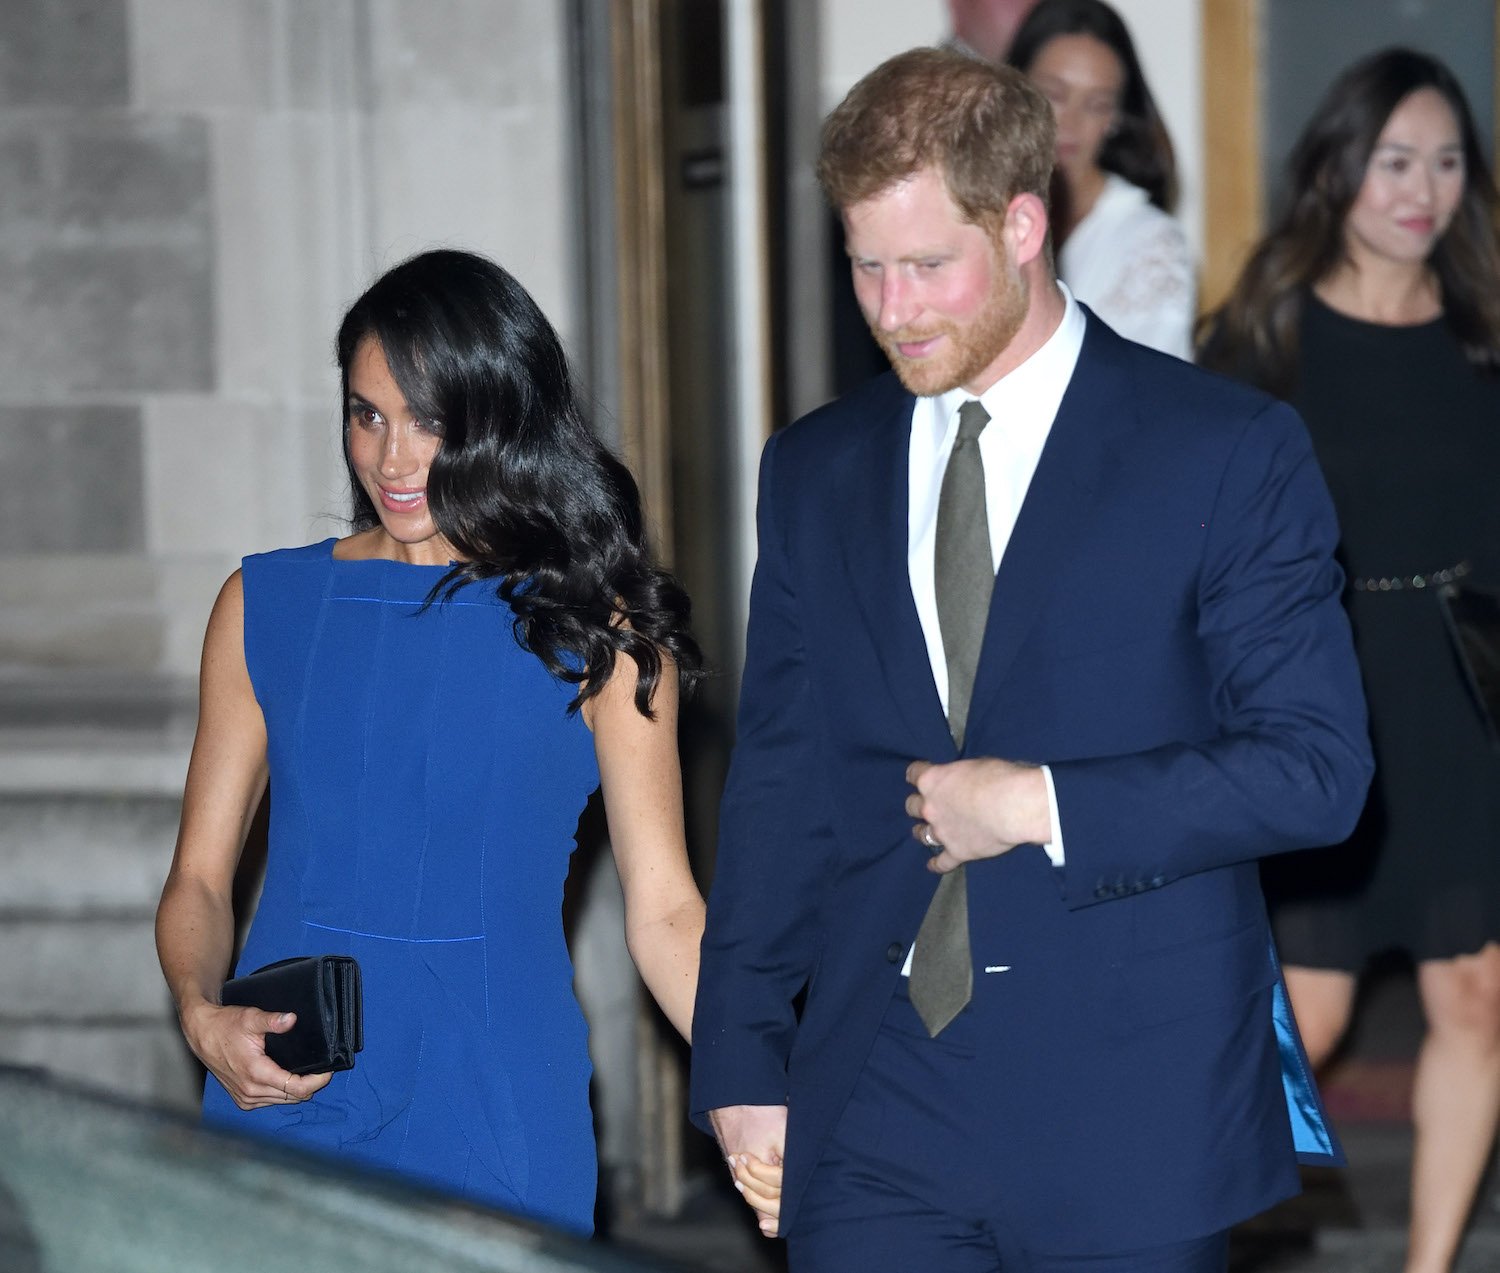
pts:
pixel 1404 583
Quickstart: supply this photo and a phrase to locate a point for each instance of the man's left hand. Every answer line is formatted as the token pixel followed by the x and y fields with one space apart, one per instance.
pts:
pixel 976 809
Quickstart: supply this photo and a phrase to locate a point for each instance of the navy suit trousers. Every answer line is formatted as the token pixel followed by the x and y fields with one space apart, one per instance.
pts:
pixel 909 1181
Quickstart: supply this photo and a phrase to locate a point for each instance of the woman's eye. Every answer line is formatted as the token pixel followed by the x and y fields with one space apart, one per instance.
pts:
pixel 434 427
pixel 366 416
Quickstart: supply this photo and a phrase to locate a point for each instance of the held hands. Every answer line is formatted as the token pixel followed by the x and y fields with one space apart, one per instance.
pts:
pixel 759 1184
pixel 231 1042
pixel 752 1138
pixel 972 809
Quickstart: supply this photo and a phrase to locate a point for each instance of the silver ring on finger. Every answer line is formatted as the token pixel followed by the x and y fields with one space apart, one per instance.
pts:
pixel 930 840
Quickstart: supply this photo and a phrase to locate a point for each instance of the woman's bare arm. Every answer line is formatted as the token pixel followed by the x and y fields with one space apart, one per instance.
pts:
pixel 641 778
pixel 195 918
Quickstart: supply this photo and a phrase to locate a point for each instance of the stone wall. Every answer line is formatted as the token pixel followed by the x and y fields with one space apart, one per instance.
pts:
pixel 191 191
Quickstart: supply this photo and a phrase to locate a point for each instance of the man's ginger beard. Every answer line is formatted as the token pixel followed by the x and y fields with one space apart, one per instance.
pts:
pixel 969 348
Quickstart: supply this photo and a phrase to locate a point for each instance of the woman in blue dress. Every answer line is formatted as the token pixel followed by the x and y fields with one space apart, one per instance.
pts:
pixel 432 700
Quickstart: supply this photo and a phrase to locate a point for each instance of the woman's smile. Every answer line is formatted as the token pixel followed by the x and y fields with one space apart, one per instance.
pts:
pixel 400 500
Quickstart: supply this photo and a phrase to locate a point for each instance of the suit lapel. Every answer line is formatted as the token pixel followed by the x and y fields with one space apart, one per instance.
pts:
pixel 871 498
pixel 1093 414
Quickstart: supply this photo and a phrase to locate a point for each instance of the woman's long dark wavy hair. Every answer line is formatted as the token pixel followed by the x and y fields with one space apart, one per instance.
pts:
pixel 1254 334
pixel 520 486
pixel 1139 148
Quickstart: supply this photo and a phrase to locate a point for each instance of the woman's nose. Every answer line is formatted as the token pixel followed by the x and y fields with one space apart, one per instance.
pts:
pixel 397 459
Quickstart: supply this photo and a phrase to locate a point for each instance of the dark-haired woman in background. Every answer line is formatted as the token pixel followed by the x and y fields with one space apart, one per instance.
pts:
pixel 433 699
pixel 1120 250
pixel 1374 305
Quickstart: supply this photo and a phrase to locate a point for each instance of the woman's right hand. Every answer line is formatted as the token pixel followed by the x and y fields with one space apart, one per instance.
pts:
pixel 231 1042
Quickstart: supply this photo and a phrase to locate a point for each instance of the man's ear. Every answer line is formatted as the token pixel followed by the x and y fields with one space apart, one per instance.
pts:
pixel 1025 230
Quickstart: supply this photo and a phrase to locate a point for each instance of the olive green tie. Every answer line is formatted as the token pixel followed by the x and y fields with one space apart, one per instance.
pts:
pixel 942 970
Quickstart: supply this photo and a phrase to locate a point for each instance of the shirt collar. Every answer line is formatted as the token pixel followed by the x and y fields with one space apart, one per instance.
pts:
pixel 1027 398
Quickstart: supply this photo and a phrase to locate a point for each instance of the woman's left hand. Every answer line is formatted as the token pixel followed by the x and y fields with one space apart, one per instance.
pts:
pixel 759 1184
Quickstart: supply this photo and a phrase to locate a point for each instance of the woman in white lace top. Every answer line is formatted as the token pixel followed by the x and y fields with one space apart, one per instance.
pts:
pixel 1121 252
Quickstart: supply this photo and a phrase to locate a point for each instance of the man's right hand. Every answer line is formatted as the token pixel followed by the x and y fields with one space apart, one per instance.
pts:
pixel 760 1132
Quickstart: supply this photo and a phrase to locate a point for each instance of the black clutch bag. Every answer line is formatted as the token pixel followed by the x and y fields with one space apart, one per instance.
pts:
pixel 324 992
pixel 1473 617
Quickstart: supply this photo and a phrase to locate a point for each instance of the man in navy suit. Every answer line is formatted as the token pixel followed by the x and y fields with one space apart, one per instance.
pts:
pixel 1045 653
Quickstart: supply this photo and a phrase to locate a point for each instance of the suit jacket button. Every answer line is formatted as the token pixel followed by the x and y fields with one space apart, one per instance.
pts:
pixel 894 951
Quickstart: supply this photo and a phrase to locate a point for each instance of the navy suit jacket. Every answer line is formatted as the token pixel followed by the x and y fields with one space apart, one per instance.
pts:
pixel 1165 633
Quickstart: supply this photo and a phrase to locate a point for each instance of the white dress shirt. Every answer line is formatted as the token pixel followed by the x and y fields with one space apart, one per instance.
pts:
pixel 1022 406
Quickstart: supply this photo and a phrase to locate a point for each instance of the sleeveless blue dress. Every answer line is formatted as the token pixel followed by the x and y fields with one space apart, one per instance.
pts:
pixel 426 783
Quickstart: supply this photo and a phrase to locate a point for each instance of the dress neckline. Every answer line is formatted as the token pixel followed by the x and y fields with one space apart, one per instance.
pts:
pixel 1369 325
pixel 332 541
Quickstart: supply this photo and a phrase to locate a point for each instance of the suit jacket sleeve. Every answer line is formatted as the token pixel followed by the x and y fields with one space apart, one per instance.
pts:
pixel 775 847
pixel 1290 763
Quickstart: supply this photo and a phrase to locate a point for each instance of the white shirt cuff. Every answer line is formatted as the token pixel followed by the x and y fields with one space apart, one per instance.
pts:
pixel 1054 847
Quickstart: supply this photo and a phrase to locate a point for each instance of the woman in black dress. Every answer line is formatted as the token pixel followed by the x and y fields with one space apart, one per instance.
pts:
pixel 1374 306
